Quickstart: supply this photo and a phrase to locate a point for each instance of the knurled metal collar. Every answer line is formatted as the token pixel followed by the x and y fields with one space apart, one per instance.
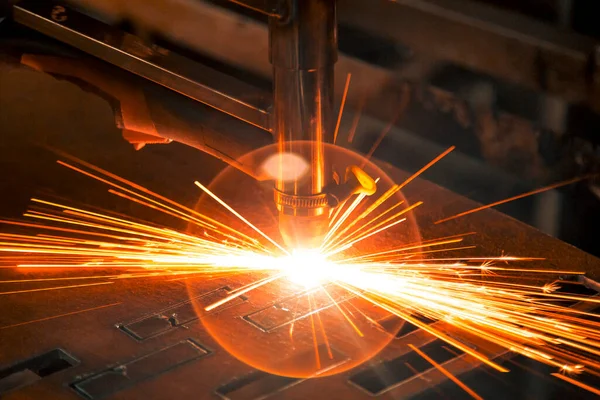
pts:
pixel 298 201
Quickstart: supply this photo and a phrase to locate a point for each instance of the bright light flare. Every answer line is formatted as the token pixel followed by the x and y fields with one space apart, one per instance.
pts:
pixel 285 167
pixel 308 268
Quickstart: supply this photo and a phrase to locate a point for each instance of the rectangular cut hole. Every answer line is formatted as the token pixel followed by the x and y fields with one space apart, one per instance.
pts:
pixel 295 308
pixel 259 385
pixel 388 324
pixel 179 314
pixel 389 374
pixel 325 361
pixel 34 369
pixel 146 367
pixel 148 327
pixel 254 386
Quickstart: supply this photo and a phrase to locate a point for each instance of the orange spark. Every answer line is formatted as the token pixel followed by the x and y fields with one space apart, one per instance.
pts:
pixel 250 224
pixel 339 120
pixel 59 316
pixel 356 119
pixel 575 382
pixel 390 192
pixel 352 324
pixel 447 373
pixel 520 196
pixel 324 333
pixel 314 335
pixel 402 107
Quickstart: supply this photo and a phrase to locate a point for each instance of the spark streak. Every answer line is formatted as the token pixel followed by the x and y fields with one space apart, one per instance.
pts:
pixel 54 288
pixel 520 196
pixel 383 198
pixel 447 373
pixel 250 224
pixel 575 382
pixel 339 120
pixel 58 316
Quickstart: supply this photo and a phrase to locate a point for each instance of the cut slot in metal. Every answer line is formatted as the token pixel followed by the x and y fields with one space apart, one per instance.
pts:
pixel 387 375
pixel 297 307
pixel 179 314
pixel 255 386
pixel 391 323
pixel 34 369
pixel 146 367
pixel 259 385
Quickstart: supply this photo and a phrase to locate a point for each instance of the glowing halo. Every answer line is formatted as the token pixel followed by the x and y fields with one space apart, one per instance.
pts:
pixel 333 330
pixel 286 166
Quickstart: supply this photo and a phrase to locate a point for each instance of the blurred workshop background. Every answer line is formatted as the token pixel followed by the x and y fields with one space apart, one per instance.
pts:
pixel 514 84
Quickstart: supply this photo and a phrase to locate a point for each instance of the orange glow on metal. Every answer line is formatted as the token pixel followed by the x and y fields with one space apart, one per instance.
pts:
pixel 522 318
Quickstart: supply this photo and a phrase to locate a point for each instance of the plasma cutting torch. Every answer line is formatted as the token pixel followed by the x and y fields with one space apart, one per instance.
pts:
pixel 300 117
pixel 303 52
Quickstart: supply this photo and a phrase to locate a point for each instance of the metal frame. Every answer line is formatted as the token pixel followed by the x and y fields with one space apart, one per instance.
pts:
pixel 157 64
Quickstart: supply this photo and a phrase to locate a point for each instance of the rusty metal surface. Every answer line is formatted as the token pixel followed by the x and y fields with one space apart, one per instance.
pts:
pixel 37 109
